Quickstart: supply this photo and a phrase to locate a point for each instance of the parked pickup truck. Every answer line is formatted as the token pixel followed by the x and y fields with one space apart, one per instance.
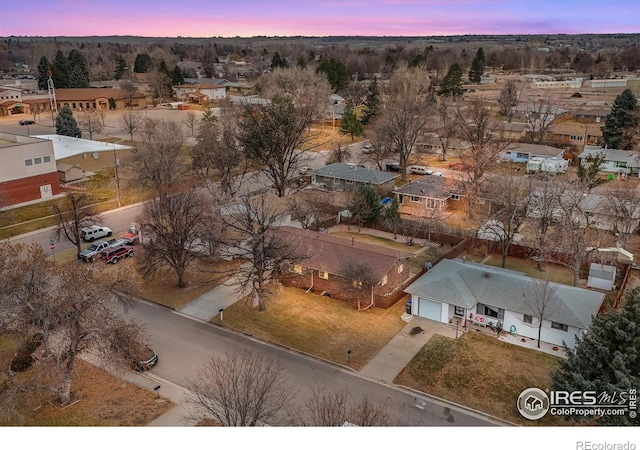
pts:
pixel 92 251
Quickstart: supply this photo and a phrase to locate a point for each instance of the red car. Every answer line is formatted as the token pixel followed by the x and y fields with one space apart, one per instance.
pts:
pixel 461 166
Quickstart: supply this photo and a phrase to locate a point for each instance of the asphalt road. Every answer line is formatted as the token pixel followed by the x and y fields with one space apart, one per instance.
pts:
pixel 184 344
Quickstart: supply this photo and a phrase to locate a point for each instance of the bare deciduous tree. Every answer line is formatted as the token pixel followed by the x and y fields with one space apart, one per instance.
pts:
pixel 447 124
pixel 130 90
pixel 91 122
pixel 625 207
pixel 508 99
pixel 252 235
pixel 176 226
pixel 334 409
pixel 541 300
pixel 191 121
pixel 406 112
pixel 132 122
pixel 361 280
pixel 75 212
pixel 544 211
pixel 216 156
pixel 540 115
pixel 478 127
pixel 159 161
pixel 272 135
pixel 241 389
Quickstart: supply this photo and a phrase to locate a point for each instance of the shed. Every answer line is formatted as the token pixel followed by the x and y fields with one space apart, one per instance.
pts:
pixel 68 172
pixel 601 277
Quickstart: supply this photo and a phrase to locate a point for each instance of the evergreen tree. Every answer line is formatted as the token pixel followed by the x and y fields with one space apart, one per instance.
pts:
pixel 391 217
pixel 372 102
pixel 77 70
pixel 43 72
pixel 176 76
pixel 451 84
pixel 621 123
pixel 162 68
pixel 350 123
pixel 142 63
pixel 60 71
pixel 477 67
pixel 606 359
pixel 121 67
pixel 336 73
pixel 278 61
pixel 66 124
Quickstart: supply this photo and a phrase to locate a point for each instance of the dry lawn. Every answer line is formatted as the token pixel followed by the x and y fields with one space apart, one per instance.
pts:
pixel 480 372
pixel 105 400
pixel 321 326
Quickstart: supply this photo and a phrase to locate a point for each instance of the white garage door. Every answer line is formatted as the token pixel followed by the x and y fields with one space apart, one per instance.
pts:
pixel 430 310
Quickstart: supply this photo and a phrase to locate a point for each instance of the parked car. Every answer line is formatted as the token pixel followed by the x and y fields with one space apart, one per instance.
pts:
pixel 420 170
pixel 145 361
pixel 27 122
pixel 114 254
pixel 94 232
pixel 89 254
pixel 367 147
pixel 393 167
pixel 461 166
pixel 438 174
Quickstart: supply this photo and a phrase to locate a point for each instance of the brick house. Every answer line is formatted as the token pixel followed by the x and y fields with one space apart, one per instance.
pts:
pixel 82 99
pixel 347 269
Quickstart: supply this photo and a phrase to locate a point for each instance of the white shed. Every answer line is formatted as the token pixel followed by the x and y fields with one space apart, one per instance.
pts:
pixel 601 277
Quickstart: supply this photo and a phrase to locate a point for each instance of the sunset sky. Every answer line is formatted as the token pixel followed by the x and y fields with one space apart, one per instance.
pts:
pixel 209 18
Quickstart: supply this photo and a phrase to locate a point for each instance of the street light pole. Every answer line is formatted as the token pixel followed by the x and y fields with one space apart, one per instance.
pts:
pixel 115 164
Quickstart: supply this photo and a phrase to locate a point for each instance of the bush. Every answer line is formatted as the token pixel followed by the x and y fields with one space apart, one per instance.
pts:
pixel 577 95
pixel 21 362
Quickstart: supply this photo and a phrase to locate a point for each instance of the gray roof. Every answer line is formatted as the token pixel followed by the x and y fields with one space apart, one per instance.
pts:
pixel 355 173
pixel 630 157
pixel 602 272
pixel 534 149
pixel 465 284
pixel 428 186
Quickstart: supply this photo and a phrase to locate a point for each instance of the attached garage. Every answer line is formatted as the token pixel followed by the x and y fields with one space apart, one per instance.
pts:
pixel 429 309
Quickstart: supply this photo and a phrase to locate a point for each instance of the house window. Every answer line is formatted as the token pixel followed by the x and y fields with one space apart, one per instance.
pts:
pixel 400 268
pixel 523 155
pixel 357 284
pixel 527 319
pixel 349 181
pixel 74 105
pixel 559 326
pixel 297 268
pixel 455 197
pixel 383 281
pixel 46 159
pixel 324 275
pixel 28 162
pixel 484 310
pixel 87 105
pixel 336 181
pixel 37 160
pixel 416 199
pixel 458 311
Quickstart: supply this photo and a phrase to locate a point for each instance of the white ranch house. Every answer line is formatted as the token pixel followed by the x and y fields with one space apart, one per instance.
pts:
pixel 491 296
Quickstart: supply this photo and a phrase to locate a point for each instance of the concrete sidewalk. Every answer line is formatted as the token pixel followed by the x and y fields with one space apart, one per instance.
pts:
pixel 394 356
pixel 209 304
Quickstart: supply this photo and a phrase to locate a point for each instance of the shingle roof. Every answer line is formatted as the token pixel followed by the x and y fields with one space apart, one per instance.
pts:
pixel 355 173
pixel 630 157
pixel 465 284
pixel 429 186
pixel 534 149
pixel 329 253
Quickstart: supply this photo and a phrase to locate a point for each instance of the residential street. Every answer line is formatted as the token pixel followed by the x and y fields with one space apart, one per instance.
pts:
pixel 183 344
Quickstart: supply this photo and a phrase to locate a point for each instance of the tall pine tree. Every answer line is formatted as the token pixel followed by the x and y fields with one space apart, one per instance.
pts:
pixel 607 358
pixel 372 102
pixel 477 67
pixel 43 72
pixel 622 122
pixel 451 84
pixel 66 124
pixel 121 68
pixel 350 123
pixel 77 70
pixel 60 71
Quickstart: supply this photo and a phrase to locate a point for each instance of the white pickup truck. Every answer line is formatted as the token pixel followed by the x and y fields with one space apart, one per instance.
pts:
pixel 94 232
